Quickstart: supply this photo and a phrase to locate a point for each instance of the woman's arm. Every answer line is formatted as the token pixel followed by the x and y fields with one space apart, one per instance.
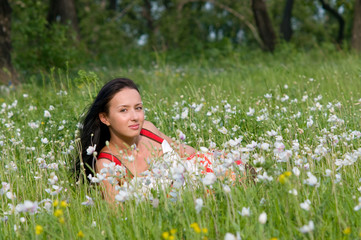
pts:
pixel 108 191
pixel 182 149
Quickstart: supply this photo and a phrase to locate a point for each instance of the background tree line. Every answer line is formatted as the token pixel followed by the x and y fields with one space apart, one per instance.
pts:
pixel 39 34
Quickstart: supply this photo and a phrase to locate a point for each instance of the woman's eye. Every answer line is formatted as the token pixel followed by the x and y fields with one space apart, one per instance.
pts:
pixel 139 108
pixel 123 110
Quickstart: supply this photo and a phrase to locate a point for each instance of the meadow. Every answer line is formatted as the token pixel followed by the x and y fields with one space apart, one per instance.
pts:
pixel 294 117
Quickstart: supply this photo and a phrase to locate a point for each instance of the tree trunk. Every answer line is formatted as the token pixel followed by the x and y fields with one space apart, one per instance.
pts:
pixel 112 5
pixel 63 11
pixel 264 24
pixel 339 18
pixel 147 14
pixel 285 28
pixel 356 28
pixel 7 73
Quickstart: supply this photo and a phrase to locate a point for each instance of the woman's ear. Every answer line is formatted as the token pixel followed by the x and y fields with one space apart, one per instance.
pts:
pixel 103 118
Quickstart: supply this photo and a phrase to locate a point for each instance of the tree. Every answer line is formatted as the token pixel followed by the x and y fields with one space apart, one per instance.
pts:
pixel 264 24
pixel 63 11
pixel 339 18
pixel 230 10
pixel 6 69
pixel 112 5
pixel 356 28
pixel 147 14
pixel 285 28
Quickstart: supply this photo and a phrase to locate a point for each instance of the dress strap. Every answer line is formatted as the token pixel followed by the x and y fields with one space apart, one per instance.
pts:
pixel 113 158
pixel 110 157
pixel 151 135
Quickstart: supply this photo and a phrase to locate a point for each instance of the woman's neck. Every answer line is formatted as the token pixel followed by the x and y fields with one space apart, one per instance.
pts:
pixel 122 145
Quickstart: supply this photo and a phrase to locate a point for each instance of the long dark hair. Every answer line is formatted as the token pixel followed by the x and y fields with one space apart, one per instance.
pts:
pixel 94 132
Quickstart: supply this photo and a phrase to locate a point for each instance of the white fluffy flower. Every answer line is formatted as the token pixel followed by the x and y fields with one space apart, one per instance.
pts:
pixel 181 135
pixel 265 146
pixel 91 150
pixel 53 178
pixel 311 180
pixel 223 130
pixel 204 149
pixel 250 112
pixel 306 205
pixel 47 114
pixel 307 228
pixel 262 218
pixel 88 202
pixel 209 179
pixel 122 196
pixel 245 212
pixel 226 189
pixel 293 192
pixel 10 195
pixel 230 236
pixel 296 171
pixel 198 204
pixel 27 206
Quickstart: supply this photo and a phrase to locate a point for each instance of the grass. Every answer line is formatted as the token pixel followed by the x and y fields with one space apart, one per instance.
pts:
pixel 227 89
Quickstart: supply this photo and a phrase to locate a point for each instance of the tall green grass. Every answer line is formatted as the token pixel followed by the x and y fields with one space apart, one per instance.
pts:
pixel 166 90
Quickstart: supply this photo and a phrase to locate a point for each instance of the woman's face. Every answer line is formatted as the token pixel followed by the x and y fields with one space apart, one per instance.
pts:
pixel 125 116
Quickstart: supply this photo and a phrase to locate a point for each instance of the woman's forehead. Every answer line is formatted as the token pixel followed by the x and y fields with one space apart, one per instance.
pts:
pixel 126 96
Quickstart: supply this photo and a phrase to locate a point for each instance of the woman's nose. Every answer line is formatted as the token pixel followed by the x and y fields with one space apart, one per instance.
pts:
pixel 134 115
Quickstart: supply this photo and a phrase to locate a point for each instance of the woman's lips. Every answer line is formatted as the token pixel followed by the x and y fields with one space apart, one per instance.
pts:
pixel 134 127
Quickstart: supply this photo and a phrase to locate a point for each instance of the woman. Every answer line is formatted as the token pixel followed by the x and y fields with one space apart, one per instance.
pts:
pixel 114 130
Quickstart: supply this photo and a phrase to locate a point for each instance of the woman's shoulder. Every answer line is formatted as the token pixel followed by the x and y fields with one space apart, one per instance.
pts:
pixel 151 127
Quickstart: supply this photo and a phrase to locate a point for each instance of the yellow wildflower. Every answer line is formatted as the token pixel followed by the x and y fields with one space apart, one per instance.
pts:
pixel 63 204
pixel 38 229
pixel 193 225
pixel 282 179
pixel 58 213
pixel 165 235
pixel 205 230
pixel 173 231
pixel 171 237
pixel 347 231
pixel 56 203
pixel 287 173
pixel 196 227
pixel 80 234
pixel 62 220
pixel 274 238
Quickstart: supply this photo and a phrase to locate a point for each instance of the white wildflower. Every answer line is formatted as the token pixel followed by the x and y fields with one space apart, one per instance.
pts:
pixel 47 114
pixel 88 202
pixel 209 179
pixel 91 149
pixel 250 112
pixel 306 205
pixel 307 228
pixel 262 218
pixel 246 212
pixel 311 180
pixel 198 204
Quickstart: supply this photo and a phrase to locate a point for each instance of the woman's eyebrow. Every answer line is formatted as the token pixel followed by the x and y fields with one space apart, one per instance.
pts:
pixel 125 105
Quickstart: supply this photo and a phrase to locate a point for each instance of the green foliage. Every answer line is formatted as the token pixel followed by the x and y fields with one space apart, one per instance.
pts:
pixel 195 30
pixel 38 45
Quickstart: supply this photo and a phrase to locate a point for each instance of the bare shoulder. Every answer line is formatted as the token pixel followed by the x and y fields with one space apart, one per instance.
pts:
pixel 100 163
pixel 151 127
